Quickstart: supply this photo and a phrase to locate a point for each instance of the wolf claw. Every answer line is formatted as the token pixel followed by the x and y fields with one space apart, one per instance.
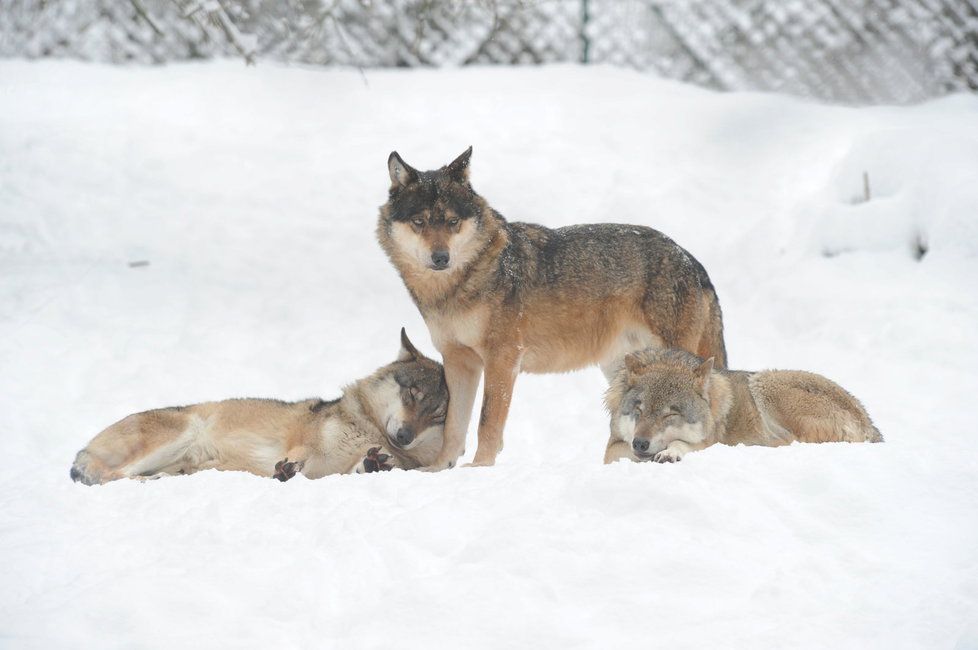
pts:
pixel 376 461
pixel 666 456
pixel 286 469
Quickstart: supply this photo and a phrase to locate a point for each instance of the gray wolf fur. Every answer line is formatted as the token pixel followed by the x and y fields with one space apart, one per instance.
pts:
pixel 393 418
pixel 501 298
pixel 667 403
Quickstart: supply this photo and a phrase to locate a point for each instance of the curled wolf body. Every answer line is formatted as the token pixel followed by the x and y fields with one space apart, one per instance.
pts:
pixel 667 403
pixel 501 298
pixel 393 418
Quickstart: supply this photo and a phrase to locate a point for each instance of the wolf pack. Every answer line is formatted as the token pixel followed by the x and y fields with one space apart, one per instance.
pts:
pixel 500 298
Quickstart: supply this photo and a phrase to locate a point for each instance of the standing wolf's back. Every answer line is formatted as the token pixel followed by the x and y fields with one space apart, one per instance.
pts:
pixel 608 260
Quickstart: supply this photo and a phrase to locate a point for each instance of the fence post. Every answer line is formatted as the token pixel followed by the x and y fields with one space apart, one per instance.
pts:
pixel 585 41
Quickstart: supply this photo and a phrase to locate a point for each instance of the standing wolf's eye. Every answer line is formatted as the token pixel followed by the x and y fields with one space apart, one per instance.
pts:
pixel 418 222
pixel 453 222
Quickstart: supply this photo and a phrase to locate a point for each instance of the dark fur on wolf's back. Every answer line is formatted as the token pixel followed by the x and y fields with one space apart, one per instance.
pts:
pixel 524 297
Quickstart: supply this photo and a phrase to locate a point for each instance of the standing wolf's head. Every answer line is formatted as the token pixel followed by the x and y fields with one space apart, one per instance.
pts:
pixel 660 396
pixel 432 221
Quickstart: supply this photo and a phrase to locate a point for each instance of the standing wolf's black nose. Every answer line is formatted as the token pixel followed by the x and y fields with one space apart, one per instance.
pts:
pixel 404 436
pixel 439 259
pixel 640 445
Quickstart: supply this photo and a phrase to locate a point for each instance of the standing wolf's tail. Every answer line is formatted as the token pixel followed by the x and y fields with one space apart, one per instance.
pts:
pixel 711 341
pixel 711 337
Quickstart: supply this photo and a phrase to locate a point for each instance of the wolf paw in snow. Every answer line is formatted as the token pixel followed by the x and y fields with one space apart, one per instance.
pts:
pixel 668 456
pixel 286 469
pixel 376 461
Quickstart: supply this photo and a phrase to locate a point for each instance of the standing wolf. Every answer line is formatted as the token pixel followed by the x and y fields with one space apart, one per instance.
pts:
pixel 667 403
pixel 516 297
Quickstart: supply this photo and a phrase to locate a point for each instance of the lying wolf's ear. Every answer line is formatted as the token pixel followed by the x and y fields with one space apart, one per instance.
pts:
pixel 634 364
pixel 408 351
pixel 702 373
pixel 402 174
pixel 458 169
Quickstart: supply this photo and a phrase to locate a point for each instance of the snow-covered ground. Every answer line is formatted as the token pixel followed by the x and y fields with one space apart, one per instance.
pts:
pixel 253 193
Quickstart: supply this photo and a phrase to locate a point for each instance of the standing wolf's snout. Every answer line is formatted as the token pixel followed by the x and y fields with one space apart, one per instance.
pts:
pixel 641 445
pixel 404 436
pixel 439 260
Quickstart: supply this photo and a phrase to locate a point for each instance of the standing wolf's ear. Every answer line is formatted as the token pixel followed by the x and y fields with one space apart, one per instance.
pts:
pixel 702 373
pixel 402 174
pixel 408 351
pixel 458 169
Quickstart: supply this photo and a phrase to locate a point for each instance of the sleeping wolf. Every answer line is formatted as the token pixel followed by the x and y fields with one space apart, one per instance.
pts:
pixel 504 298
pixel 667 403
pixel 393 418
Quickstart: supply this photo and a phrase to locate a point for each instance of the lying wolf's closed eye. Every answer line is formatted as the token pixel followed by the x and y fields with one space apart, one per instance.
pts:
pixel 632 406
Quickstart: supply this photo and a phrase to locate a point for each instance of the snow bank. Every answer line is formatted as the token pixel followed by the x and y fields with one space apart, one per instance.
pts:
pixel 252 193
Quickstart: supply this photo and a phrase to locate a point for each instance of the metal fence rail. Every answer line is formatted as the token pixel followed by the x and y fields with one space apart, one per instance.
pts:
pixel 837 50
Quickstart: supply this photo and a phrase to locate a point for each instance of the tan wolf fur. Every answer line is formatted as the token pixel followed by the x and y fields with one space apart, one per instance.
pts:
pixel 667 403
pixel 501 298
pixel 393 418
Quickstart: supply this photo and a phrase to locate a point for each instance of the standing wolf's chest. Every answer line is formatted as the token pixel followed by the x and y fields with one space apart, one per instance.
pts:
pixel 451 328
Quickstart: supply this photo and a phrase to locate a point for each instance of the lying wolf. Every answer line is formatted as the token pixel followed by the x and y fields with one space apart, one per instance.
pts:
pixel 667 403
pixel 501 298
pixel 393 418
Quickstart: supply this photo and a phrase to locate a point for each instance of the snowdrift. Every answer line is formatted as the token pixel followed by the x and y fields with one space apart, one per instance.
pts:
pixel 252 194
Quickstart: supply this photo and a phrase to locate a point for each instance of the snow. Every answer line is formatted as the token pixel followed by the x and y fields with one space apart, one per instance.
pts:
pixel 253 194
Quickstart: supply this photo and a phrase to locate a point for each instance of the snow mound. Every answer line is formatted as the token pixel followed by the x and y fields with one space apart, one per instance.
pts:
pixel 908 189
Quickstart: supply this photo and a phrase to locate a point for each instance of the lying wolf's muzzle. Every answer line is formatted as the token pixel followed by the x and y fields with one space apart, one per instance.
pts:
pixel 643 448
pixel 404 437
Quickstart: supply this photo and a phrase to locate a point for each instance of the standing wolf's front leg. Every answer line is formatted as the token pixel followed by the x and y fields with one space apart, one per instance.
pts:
pixel 501 371
pixel 462 369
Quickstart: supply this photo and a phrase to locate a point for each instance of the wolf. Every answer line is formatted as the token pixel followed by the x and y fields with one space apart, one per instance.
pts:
pixel 667 403
pixel 501 298
pixel 393 418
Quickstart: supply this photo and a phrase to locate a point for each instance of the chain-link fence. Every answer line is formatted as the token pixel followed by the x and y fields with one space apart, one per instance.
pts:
pixel 840 50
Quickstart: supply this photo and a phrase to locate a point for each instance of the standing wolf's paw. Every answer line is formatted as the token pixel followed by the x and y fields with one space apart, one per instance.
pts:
pixel 376 461
pixel 286 469
pixel 668 456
